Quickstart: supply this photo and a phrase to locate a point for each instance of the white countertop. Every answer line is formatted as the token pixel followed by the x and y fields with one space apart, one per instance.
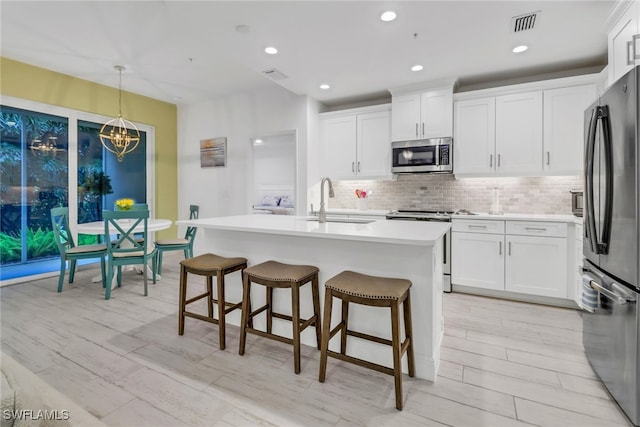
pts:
pixel 420 233
pixel 372 212
pixel 523 217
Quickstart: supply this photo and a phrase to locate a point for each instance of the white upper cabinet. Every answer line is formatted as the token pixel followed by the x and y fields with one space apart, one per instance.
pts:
pixel 422 114
pixel 405 117
pixel 519 133
pixel 338 146
pixel 622 44
pixel 355 144
pixel 437 113
pixel 373 148
pixel 499 135
pixel 474 136
pixel 564 128
pixel 531 129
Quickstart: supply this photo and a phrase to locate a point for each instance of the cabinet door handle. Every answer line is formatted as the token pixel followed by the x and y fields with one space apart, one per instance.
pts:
pixel 358 166
pixel 353 167
pixel 416 130
pixel 509 248
pixel 634 56
pixel 500 248
pixel 535 229
pixel 631 50
pixel 498 160
pixel 423 129
pixel 548 158
pixel 481 227
pixel 490 160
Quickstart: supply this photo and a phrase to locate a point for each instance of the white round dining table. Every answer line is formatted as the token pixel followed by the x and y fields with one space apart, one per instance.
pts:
pixel 97 228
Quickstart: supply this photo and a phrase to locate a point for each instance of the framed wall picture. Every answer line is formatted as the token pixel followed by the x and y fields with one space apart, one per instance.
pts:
pixel 213 152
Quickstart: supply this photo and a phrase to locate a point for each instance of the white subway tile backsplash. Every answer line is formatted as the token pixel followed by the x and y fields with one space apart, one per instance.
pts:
pixel 539 195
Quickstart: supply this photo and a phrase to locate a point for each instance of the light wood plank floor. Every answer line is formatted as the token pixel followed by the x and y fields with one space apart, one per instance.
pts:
pixel 503 364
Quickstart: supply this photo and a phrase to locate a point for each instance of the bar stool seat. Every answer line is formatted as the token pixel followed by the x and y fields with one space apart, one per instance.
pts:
pixel 352 287
pixel 209 265
pixel 274 274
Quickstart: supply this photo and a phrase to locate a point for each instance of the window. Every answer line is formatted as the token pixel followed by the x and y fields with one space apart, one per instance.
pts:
pixel 102 179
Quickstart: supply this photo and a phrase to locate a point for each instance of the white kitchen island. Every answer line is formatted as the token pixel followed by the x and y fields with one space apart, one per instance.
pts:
pixel 404 249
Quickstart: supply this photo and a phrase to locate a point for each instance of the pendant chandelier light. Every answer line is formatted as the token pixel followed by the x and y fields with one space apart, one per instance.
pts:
pixel 46 148
pixel 118 135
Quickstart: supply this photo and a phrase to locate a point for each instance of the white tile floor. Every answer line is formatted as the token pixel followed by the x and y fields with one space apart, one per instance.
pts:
pixel 503 363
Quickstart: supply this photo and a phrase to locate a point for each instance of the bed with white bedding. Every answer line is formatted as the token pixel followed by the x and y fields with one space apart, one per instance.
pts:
pixel 273 199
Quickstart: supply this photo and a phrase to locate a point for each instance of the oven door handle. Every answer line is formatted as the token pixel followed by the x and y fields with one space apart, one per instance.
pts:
pixel 444 248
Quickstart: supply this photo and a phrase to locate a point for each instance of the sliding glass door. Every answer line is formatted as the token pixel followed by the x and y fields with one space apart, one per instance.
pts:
pixel 33 179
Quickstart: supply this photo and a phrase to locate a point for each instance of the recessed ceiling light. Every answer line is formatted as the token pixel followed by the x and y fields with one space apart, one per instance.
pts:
pixel 271 50
pixel 257 141
pixel 520 49
pixel 324 86
pixel 417 67
pixel 388 16
pixel 242 28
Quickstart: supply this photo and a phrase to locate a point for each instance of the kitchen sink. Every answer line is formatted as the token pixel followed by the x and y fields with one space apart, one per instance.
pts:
pixel 346 220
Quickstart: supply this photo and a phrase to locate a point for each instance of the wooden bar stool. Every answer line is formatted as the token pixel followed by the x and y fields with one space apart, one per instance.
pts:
pixel 273 274
pixel 208 265
pixel 373 291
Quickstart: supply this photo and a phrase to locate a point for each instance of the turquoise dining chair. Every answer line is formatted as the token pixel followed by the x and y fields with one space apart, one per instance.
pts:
pixel 126 249
pixel 68 249
pixel 179 244
pixel 135 207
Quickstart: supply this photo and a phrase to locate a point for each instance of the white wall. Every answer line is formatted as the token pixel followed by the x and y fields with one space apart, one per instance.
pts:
pixel 226 190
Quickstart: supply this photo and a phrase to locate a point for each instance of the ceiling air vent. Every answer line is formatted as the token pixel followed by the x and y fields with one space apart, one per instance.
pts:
pixel 274 74
pixel 524 22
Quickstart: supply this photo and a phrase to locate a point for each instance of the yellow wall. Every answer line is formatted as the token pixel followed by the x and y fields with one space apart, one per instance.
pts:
pixel 25 81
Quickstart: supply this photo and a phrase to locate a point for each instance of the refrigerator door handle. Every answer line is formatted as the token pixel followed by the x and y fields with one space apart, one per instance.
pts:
pixel 590 226
pixel 599 244
pixel 603 116
pixel 619 299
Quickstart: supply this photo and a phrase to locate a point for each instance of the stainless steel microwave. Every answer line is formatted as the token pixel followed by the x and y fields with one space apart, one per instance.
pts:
pixel 422 156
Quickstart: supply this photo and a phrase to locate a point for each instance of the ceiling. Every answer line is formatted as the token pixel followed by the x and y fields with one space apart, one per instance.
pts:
pixel 189 51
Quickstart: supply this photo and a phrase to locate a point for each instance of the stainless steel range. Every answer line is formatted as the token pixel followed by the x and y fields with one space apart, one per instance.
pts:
pixel 427 215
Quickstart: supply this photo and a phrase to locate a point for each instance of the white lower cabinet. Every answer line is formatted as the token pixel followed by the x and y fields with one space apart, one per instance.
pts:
pixel 536 265
pixel 477 260
pixel 525 257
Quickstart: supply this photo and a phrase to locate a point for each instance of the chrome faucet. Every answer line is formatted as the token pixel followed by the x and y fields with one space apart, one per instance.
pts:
pixel 322 215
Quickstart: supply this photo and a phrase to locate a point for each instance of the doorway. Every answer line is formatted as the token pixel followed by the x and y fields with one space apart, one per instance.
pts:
pixel 274 173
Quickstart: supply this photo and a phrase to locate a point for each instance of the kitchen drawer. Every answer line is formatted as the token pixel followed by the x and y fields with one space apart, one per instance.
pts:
pixel 478 226
pixel 537 228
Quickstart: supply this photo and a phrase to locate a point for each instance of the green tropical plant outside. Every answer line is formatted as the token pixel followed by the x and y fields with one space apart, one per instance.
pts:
pixel 87 239
pixel 40 243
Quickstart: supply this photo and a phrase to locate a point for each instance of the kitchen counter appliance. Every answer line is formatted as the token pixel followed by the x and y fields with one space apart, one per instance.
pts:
pixel 577 202
pixel 426 215
pixel 422 156
pixel 612 238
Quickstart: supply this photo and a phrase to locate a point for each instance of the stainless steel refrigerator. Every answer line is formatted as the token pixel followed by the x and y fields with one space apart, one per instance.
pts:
pixel 612 238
